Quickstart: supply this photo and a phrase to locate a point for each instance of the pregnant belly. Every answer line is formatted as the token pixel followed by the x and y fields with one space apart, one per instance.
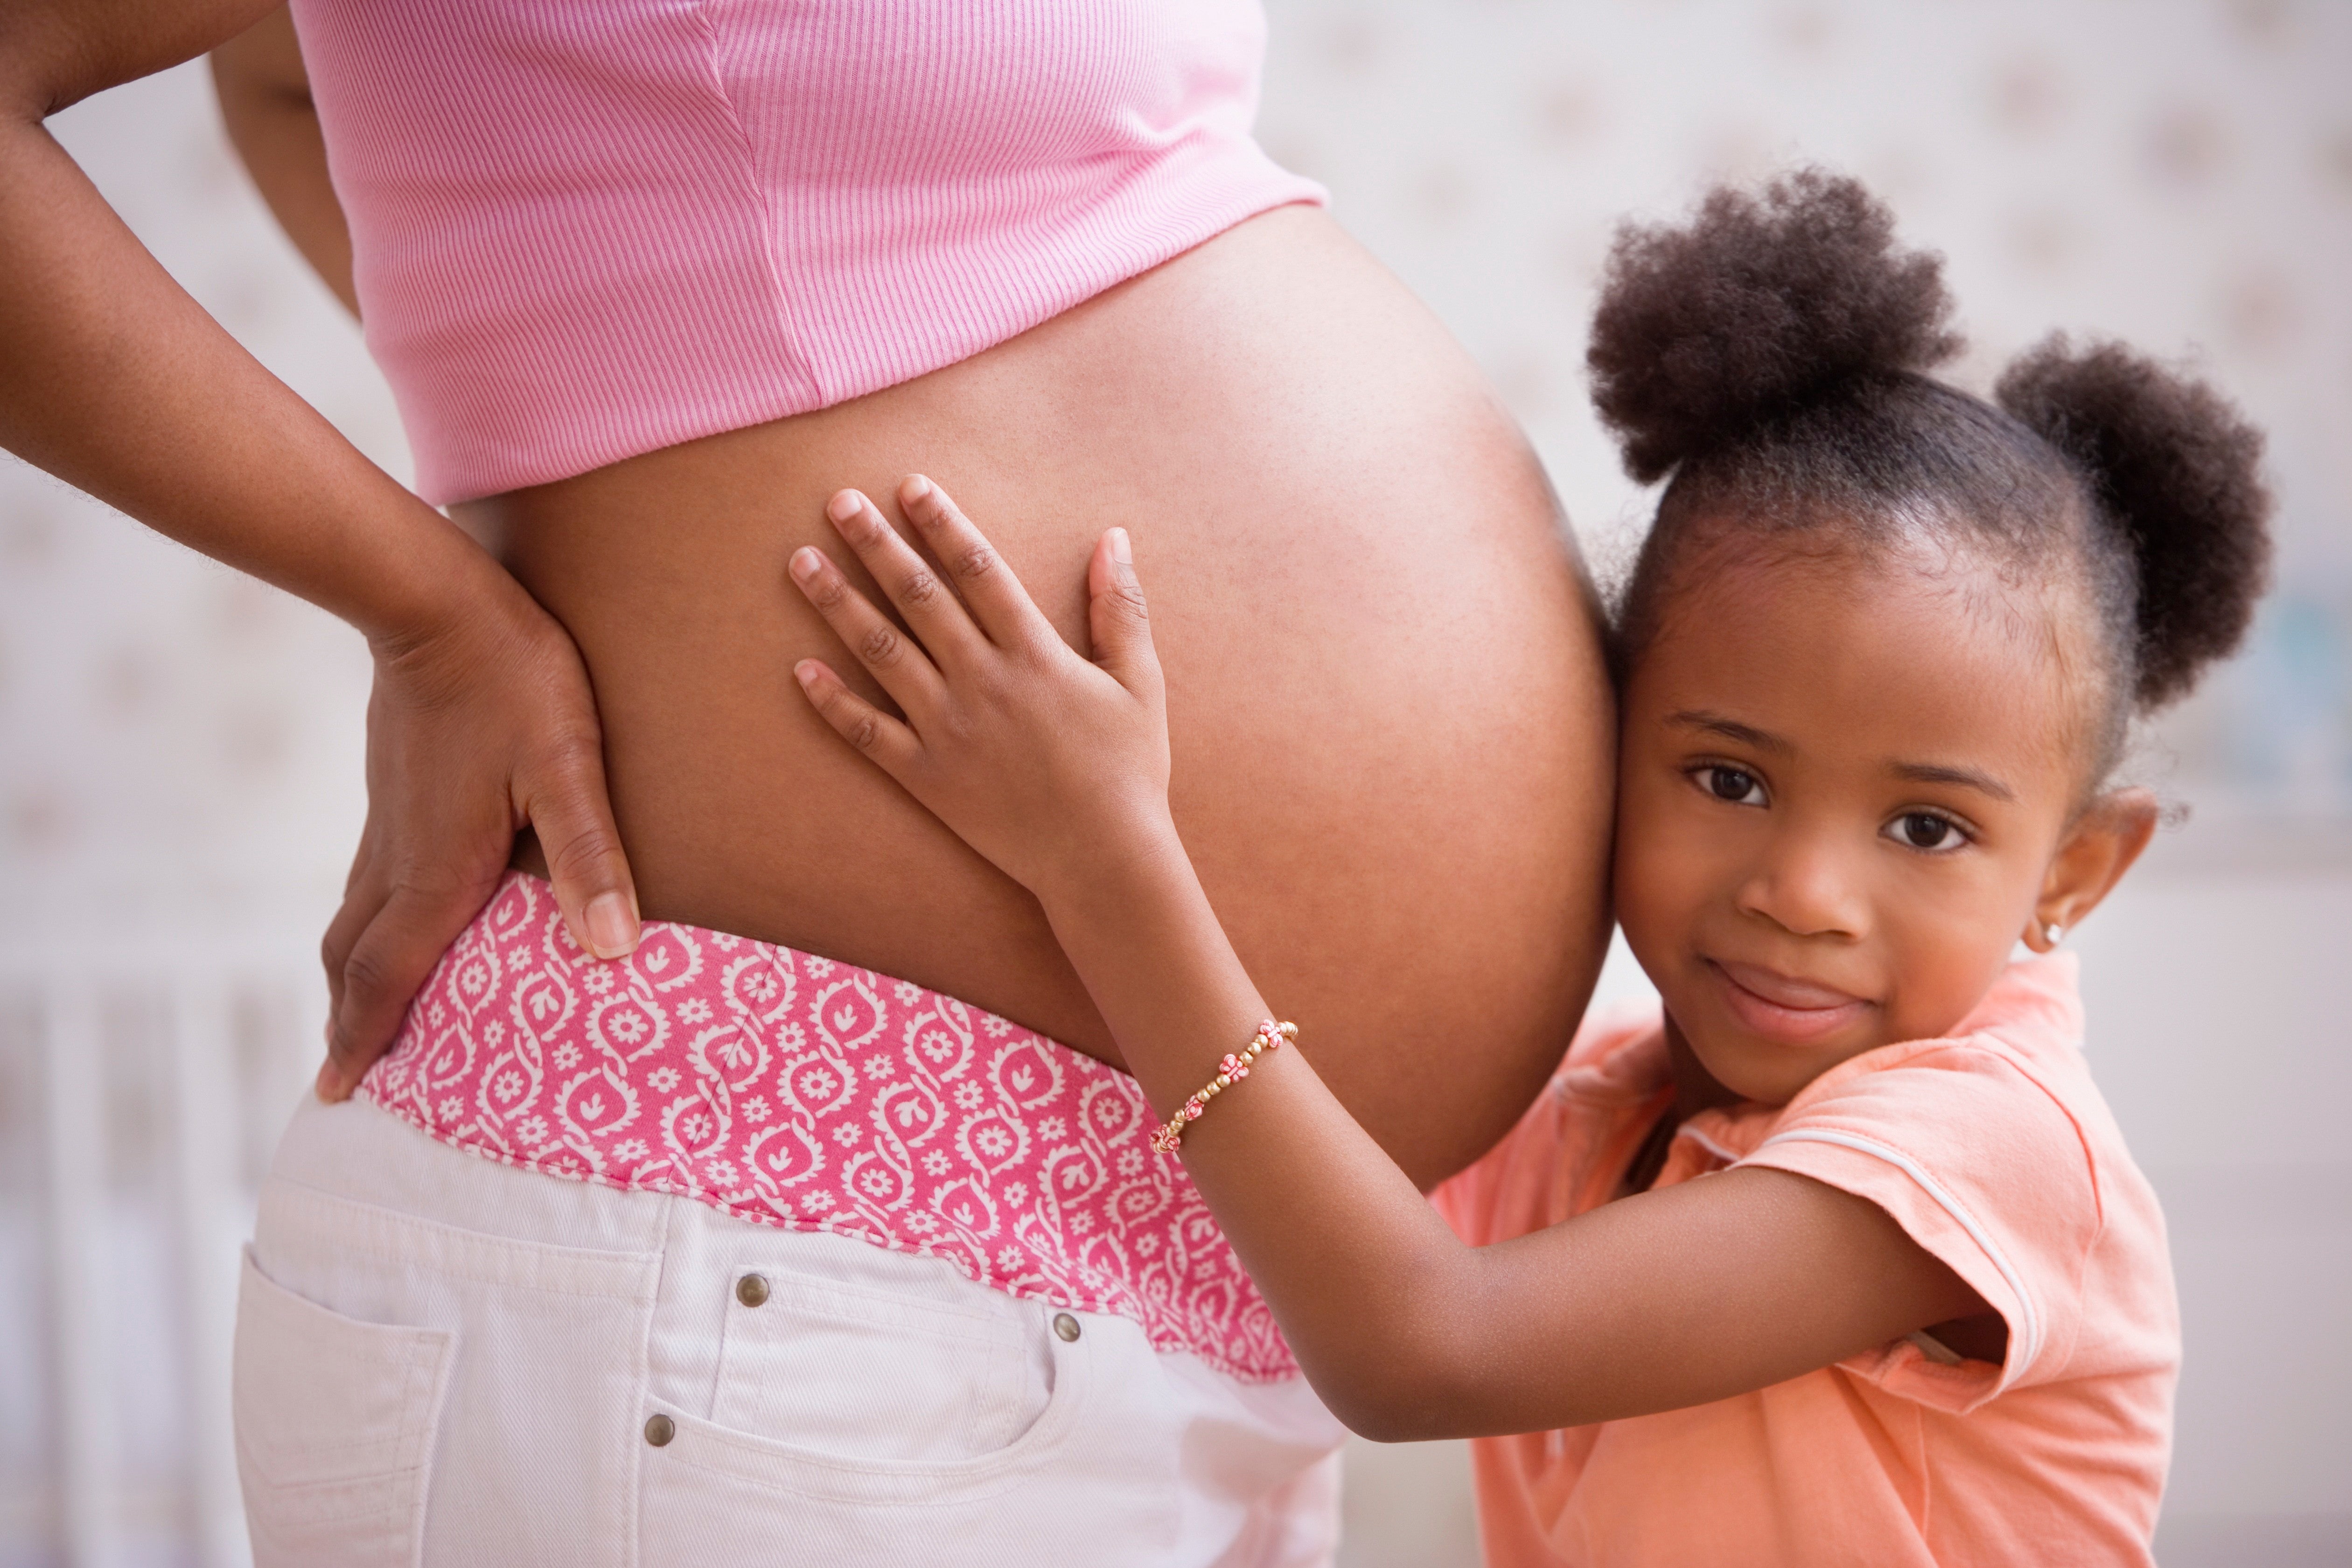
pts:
pixel 1390 728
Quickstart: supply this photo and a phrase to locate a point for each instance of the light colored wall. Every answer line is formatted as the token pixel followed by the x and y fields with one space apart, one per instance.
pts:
pixel 180 748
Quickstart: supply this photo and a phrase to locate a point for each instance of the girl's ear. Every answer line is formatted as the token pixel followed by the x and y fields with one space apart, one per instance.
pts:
pixel 2093 857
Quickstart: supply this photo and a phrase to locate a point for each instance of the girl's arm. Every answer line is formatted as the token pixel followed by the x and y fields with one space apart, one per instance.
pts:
pixel 265 103
pixel 1056 769
pixel 113 379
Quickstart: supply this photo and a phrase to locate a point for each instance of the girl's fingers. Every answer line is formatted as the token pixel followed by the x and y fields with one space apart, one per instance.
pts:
pixel 998 601
pixel 936 615
pixel 890 744
pixel 1119 621
pixel 902 668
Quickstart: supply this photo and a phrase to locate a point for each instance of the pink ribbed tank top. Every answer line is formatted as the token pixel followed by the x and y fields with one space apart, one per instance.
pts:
pixel 585 229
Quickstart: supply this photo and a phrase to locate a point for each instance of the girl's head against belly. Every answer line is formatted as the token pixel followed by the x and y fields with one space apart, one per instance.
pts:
pixel 1880 654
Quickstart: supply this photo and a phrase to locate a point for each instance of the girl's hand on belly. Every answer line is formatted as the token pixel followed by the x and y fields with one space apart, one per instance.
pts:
pixel 1056 769
pixel 1050 766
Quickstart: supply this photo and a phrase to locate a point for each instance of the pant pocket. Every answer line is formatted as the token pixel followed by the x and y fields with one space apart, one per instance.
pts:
pixel 1079 1486
pixel 863 1376
pixel 335 1426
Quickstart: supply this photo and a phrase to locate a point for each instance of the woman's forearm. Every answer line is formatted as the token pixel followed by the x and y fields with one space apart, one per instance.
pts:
pixel 118 382
pixel 111 378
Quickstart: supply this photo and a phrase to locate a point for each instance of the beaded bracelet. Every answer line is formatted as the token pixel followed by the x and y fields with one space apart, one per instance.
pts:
pixel 1232 1070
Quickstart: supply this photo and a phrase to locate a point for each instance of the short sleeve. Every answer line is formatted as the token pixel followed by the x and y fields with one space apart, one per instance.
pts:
pixel 1981 1166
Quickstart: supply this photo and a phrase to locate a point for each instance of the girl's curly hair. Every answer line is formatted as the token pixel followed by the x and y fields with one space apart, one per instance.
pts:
pixel 1769 359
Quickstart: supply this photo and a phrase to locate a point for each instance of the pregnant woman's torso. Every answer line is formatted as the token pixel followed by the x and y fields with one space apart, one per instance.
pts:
pixel 614 228
pixel 1391 730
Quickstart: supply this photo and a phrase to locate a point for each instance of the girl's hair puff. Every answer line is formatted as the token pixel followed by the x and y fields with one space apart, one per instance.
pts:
pixel 1767 359
pixel 2176 471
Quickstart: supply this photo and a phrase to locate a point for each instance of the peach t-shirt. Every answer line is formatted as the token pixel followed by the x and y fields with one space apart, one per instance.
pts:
pixel 1993 1150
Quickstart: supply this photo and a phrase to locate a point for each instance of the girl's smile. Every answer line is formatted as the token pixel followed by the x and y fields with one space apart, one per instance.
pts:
pixel 1783 1009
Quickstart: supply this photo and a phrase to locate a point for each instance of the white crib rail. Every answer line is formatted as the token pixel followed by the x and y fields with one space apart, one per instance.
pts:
pixel 74 1174
pixel 191 991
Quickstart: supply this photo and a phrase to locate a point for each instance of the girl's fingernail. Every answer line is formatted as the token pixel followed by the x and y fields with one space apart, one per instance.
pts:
pixel 805 560
pixel 915 488
pixel 1120 552
pixel 806 672
pixel 330 1084
pixel 844 506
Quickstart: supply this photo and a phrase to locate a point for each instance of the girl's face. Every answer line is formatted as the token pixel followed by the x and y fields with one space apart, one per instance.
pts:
pixel 1847 787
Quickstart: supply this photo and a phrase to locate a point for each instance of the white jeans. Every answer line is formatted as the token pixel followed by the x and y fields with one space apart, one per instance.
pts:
pixel 441 1360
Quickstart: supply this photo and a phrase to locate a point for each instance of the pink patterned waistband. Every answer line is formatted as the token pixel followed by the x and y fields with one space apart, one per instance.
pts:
pixel 795 1091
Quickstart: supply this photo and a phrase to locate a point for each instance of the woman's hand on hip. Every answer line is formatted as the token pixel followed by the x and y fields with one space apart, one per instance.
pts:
pixel 476 728
pixel 116 381
pixel 1043 761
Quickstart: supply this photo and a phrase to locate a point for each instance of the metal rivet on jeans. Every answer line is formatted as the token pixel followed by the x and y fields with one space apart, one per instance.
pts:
pixel 752 1290
pixel 1066 1325
pixel 659 1431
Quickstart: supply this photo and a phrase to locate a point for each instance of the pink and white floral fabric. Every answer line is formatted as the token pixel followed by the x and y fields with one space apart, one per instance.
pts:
pixel 795 1091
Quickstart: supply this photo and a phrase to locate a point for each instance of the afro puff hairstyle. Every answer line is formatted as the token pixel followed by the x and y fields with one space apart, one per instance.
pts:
pixel 1770 360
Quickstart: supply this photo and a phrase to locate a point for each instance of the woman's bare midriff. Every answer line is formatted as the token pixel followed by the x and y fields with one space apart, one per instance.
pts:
pixel 1392 732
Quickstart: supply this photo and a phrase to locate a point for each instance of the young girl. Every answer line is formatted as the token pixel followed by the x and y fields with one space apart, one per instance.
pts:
pixel 1877 661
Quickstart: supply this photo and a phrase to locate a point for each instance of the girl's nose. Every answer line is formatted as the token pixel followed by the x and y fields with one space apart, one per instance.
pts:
pixel 1807 885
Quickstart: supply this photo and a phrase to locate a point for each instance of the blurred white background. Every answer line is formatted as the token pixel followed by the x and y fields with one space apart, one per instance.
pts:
pixel 180 748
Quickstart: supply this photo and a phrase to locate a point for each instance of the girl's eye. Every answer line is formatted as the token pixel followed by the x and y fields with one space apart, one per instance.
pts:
pixel 1733 784
pixel 1926 830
